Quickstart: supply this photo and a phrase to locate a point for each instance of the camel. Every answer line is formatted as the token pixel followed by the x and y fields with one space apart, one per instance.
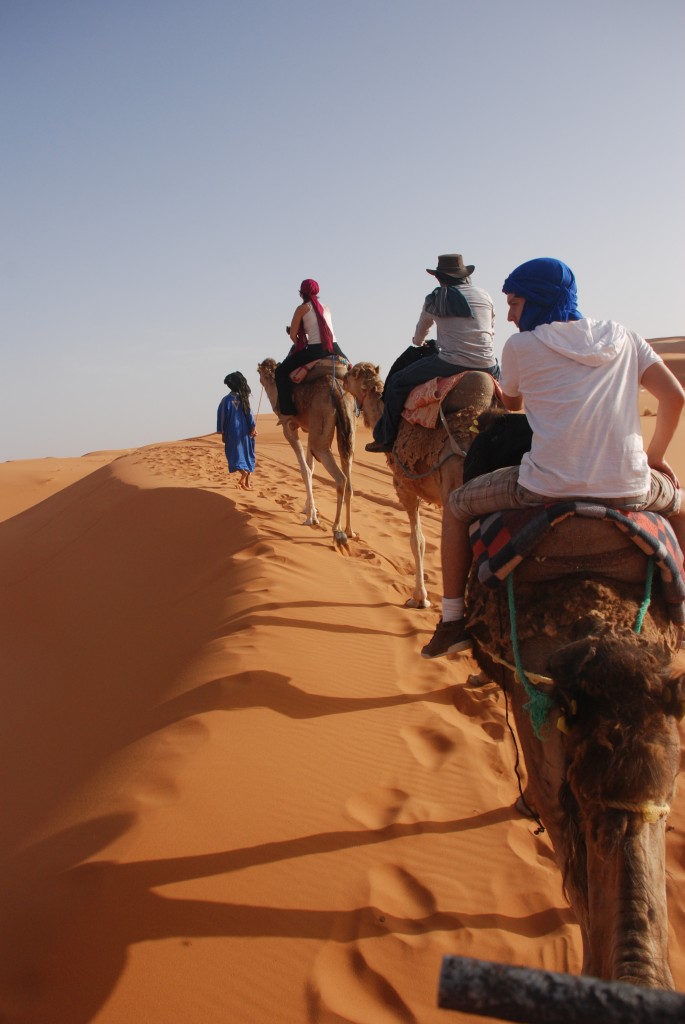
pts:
pixel 324 410
pixel 581 641
pixel 426 464
pixel 602 773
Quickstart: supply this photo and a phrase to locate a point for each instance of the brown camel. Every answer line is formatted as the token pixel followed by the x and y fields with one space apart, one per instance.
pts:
pixel 426 464
pixel 324 410
pixel 603 774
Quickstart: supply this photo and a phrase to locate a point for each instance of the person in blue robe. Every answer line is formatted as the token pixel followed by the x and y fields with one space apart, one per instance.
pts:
pixel 236 424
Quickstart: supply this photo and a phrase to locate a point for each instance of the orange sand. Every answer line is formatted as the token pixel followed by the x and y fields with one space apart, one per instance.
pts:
pixel 232 790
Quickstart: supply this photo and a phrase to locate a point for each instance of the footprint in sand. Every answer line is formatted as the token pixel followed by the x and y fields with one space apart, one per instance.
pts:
pixel 430 747
pixel 168 752
pixel 396 893
pixel 346 984
pixel 379 808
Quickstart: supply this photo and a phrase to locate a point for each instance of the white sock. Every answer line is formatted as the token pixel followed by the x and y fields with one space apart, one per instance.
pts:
pixel 452 609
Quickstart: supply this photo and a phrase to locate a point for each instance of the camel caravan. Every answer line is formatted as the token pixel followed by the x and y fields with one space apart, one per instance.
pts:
pixel 575 610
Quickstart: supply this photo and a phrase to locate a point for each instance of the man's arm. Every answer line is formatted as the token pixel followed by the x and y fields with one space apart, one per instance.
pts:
pixel 513 404
pixel 661 383
pixel 424 325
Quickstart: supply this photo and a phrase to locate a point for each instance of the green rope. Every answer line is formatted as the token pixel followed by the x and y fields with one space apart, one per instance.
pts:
pixel 539 704
pixel 647 598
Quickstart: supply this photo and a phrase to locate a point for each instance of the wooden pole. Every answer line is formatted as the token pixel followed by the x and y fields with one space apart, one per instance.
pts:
pixel 544 997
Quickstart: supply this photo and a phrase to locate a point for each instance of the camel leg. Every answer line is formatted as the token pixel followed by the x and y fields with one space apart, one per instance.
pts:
pixel 347 472
pixel 310 510
pixel 325 457
pixel 310 507
pixel 417 542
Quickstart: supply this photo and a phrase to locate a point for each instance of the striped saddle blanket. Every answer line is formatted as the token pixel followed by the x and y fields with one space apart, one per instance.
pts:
pixel 503 539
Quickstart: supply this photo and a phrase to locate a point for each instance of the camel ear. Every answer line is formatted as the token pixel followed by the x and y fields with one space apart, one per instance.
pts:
pixel 673 694
pixel 377 370
pixel 565 665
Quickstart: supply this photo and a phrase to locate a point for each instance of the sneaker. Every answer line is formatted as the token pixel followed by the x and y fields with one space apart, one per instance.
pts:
pixel 448 638
pixel 377 446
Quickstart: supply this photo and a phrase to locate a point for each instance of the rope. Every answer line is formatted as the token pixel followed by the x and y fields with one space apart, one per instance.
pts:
pixel 642 611
pixel 650 810
pixel 517 761
pixel 259 404
pixel 420 476
pixel 539 704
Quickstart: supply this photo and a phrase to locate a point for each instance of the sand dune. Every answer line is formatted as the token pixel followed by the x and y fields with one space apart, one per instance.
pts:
pixel 231 788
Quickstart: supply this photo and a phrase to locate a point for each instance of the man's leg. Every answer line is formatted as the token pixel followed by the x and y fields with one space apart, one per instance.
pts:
pixel 455 551
pixel 677 521
pixel 400 385
pixel 484 494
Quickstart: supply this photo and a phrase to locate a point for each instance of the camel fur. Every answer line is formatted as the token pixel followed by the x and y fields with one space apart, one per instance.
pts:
pixel 324 411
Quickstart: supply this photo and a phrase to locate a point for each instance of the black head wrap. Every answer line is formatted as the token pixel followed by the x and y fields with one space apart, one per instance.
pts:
pixel 236 382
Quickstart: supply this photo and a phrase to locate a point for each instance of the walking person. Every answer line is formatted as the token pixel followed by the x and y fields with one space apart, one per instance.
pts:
pixel 236 424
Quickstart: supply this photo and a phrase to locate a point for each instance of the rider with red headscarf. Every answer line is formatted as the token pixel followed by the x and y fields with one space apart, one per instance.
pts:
pixel 311 332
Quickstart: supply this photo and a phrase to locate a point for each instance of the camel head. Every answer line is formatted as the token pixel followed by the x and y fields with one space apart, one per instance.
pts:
pixel 363 379
pixel 267 371
pixel 622 707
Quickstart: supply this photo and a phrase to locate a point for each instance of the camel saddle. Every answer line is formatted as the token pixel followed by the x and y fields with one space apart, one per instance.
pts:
pixel 546 542
pixel 469 388
pixel 320 368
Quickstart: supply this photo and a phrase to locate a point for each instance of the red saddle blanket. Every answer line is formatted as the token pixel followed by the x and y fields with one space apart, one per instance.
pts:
pixel 502 540
pixel 320 367
pixel 423 403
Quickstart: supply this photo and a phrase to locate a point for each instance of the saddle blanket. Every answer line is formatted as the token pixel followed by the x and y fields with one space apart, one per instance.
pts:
pixel 423 403
pixel 300 373
pixel 501 540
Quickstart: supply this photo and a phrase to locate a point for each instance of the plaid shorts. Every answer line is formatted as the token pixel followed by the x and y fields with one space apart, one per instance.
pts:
pixel 501 489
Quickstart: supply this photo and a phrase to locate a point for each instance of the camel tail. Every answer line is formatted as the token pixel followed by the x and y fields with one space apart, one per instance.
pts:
pixel 345 423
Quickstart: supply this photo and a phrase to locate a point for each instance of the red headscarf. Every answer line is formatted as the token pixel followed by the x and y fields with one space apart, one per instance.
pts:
pixel 309 290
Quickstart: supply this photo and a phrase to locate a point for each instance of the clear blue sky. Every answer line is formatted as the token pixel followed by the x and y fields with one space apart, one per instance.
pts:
pixel 172 169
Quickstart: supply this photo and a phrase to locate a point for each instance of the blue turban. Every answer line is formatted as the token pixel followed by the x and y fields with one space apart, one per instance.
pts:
pixel 549 288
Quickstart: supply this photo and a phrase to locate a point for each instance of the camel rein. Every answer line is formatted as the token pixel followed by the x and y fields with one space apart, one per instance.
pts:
pixel 454 445
pixel 540 704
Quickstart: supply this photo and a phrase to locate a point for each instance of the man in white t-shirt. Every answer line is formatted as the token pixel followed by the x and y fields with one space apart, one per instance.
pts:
pixel 580 380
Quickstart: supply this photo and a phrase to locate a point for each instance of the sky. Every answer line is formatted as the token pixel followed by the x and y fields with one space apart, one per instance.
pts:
pixel 172 169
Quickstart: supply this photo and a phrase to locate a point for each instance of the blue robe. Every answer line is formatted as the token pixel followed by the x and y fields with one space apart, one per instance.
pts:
pixel 234 426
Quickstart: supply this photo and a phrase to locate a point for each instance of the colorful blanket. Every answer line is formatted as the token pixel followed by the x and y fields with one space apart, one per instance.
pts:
pixel 502 540
pixel 423 403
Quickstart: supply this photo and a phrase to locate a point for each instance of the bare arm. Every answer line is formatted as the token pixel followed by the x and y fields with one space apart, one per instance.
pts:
pixel 513 404
pixel 661 383
pixel 297 320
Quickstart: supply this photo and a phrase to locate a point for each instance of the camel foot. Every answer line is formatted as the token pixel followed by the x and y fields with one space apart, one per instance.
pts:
pixel 413 602
pixel 478 679
pixel 340 537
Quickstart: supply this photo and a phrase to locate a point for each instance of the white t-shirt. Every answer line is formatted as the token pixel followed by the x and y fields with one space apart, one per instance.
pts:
pixel 311 324
pixel 463 340
pixel 580 383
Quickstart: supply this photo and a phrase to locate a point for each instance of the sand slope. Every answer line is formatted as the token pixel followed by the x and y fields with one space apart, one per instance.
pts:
pixel 231 789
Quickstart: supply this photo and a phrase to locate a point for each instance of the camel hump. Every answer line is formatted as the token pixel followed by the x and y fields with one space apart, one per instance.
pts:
pixel 580 546
pixel 475 388
pixel 320 368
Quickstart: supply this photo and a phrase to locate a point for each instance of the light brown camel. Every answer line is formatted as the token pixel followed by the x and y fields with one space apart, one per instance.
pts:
pixel 426 464
pixel 602 776
pixel 324 410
